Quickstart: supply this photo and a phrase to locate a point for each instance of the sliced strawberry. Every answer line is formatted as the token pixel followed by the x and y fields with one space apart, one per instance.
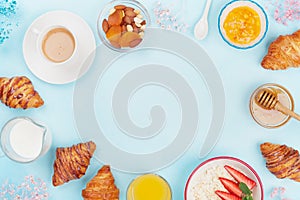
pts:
pixel 231 186
pixel 240 177
pixel 227 196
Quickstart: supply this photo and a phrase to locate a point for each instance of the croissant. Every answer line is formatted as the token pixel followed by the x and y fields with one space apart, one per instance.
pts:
pixel 102 186
pixel 281 160
pixel 18 92
pixel 284 52
pixel 72 162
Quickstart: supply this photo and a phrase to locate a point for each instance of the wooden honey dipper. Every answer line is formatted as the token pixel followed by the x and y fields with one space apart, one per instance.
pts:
pixel 267 99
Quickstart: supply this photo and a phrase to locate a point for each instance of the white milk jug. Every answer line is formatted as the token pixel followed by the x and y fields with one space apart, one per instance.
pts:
pixel 24 140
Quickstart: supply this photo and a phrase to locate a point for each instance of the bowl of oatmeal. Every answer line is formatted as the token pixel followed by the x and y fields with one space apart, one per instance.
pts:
pixel 204 182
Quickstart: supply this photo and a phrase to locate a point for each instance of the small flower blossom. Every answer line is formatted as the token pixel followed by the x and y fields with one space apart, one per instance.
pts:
pixel 283 11
pixel 165 19
pixel 30 189
pixel 278 194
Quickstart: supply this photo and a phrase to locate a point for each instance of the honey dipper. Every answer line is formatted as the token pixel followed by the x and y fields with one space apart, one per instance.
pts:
pixel 267 99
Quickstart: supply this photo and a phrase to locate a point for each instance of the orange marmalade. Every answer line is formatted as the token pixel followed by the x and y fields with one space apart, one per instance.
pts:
pixel 242 25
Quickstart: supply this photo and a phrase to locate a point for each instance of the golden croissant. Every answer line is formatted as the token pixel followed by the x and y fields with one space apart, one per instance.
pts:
pixel 72 162
pixel 102 186
pixel 18 92
pixel 284 52
pixel 281 160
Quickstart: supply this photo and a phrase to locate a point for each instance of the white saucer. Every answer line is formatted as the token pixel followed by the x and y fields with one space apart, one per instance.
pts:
pixel 72 69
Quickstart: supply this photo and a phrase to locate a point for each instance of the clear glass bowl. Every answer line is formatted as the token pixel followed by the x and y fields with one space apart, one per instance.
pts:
pixel 108 10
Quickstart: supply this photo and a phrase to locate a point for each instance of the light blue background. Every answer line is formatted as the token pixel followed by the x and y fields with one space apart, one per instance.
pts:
pixel 241 74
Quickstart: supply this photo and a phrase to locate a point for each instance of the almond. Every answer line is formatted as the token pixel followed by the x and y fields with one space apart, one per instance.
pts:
pixel 130 13
pixel 135 42
pixel 127 20
pixel 128 8
pixel 105 26
pixel 120 7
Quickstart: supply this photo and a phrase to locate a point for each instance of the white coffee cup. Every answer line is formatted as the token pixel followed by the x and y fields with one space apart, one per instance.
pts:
pixel 56 44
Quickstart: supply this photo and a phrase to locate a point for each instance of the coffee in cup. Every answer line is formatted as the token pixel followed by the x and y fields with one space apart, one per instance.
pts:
pixel 58 44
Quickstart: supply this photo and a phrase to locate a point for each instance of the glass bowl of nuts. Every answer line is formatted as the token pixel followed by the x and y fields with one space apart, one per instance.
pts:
pixel 122 24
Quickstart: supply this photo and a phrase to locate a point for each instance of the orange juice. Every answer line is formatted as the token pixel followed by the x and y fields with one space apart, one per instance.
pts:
pixel 149 187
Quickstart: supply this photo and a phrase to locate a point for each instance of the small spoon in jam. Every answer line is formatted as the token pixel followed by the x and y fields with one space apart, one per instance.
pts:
pixel 267 99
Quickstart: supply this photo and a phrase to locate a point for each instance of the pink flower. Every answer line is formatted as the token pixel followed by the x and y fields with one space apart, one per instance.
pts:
pixel 283 11
pixel 37 188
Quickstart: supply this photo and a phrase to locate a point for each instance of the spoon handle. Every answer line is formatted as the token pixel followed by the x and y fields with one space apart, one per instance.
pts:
pixel 206 10
pixel 286 111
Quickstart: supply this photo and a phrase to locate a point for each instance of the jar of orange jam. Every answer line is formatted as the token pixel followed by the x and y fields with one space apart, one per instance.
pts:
pixel 242 25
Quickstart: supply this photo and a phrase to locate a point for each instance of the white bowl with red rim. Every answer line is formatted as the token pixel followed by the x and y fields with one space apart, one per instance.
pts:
pixel 197 177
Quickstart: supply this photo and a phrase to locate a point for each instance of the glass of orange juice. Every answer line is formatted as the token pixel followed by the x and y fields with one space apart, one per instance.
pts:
pixel 149 187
